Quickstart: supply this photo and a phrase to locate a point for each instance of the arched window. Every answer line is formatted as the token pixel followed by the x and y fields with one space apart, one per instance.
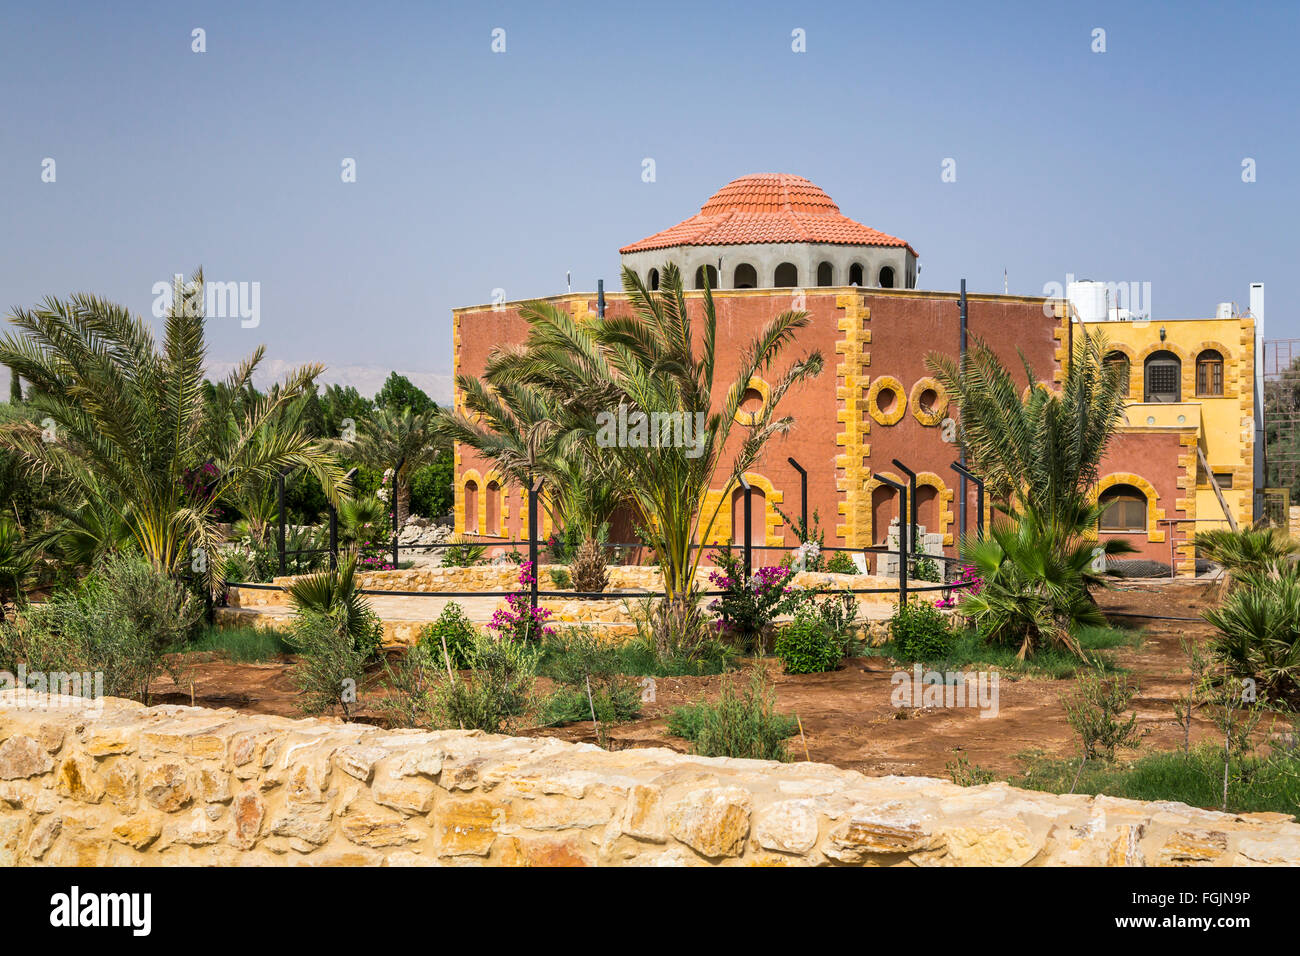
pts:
pixel 746 277
pixel 786 277
pixel 1164 378
pixel 855 274
pixel 1119 361
pixel 1209 373
pixel 887 277
pixel 757 517
pixel 704 272
pixel 493 508
pixel 471 507
pixel 654 278
pixel 1125 509
pixel 824 274
pixel 927 507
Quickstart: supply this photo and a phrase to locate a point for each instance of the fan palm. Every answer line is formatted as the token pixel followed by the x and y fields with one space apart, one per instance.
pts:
pixel 650 362
pixel 1036 571
pixel 1250 551
pixel 1259 630
pixel 397 438
pixel 125 420
pixel 335 594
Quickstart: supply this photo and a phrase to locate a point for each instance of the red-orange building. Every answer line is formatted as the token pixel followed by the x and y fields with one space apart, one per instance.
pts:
pixel 770 243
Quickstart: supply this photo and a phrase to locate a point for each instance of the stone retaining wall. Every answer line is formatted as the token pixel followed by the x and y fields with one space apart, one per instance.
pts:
pixel 182 785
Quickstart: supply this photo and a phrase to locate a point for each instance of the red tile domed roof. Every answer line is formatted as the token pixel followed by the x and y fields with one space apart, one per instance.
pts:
pixel 767 207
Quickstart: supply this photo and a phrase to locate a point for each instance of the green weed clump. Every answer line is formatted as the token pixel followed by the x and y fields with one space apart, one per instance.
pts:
pixel 738 724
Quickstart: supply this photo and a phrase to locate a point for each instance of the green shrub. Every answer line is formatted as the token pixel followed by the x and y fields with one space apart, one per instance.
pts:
pixel 498 693
pixel 737 725
pixel 1095 712
pixel 412 681
pixel 455 629
pixel 920 632
pixel 121 620
pixel 925 569
pixel 561 579
pixel 841 563
pixel 809 644
pixel 331 663
pixel 333 594
pixel 672 640
pixel 576 659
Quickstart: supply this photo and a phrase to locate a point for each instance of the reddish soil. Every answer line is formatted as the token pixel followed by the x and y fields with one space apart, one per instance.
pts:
pixel 847 716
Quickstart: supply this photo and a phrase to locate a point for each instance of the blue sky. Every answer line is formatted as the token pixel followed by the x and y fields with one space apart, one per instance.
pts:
pixel 479 170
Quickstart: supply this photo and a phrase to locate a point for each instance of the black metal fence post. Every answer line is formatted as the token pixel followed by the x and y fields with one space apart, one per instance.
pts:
pixel 902 535
pixel 803 492
pixel 279 491
pixel 334 538
pixel 912 525
pixel 961 504
pixel 532 539
pixel 966 473
pixel 749 544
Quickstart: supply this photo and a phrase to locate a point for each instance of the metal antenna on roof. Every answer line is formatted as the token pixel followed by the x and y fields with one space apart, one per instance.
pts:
pixel 568 281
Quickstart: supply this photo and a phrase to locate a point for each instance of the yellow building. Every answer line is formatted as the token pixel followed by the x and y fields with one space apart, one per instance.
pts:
pixel 1198 374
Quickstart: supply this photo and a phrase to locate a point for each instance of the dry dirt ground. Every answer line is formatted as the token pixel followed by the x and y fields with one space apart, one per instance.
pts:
pixel 847 716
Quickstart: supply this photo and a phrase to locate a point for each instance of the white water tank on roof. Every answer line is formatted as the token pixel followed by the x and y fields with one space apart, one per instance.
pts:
pixel 1091 300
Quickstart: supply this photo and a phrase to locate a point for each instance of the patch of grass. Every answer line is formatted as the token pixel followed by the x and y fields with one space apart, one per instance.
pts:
pixel 243 644
pixel 968 651
pixel 1256 783
pixel 1106 638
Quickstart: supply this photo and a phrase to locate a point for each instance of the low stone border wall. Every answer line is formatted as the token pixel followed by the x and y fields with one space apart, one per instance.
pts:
pixel 122 785
pixel 506 578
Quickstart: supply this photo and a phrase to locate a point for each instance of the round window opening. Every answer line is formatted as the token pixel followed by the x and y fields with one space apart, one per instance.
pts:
pixel 752 401
pixel 928 400
pixel 886 399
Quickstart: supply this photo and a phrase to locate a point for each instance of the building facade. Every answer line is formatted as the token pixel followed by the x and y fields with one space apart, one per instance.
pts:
pixel 765 244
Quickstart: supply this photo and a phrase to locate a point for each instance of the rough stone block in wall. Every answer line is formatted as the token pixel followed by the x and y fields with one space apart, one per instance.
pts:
pixel 120 785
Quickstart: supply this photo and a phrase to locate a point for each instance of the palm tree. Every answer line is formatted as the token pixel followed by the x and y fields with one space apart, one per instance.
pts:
pixel 526 434
pixel 15 562
pixel 401 439
pixel 1043 449
pixel 125 420
pixel 650 362
pixel 83 533
pixel 1039 456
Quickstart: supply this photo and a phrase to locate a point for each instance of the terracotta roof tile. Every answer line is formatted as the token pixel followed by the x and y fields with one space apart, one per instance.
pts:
pixel 767 207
